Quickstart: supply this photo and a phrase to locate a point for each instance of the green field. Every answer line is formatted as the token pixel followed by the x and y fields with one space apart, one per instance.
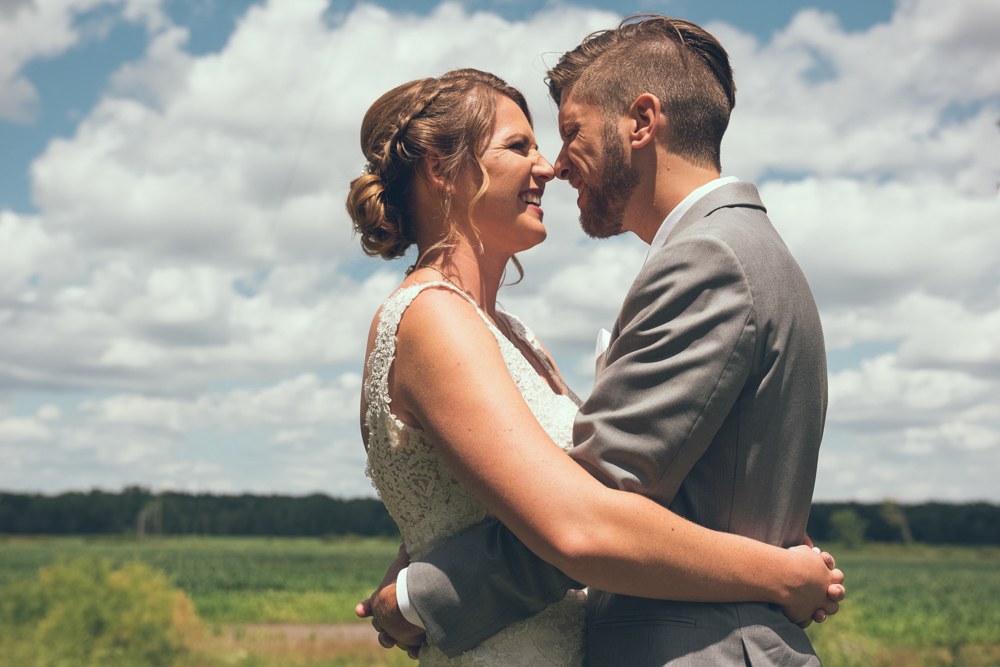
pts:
pixel 234 580
pixel 916 606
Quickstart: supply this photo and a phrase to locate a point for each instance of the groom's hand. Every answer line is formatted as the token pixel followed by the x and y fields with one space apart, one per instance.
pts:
pixel 820 589
pixel 393 628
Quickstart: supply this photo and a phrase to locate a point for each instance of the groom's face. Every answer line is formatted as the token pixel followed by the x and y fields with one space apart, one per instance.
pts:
pixel 594 161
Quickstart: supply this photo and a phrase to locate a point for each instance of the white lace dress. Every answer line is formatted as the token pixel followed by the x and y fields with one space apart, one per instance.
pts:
pixel 430 505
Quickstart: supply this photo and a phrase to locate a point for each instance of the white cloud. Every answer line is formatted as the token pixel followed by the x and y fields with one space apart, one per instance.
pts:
pixel 191 236
pixel 20 429
pixel 890 100
pixel 30 30
pixel 861 242
pixel 883 390
pixel 205 440
pixel 38 29
pixel 302 400
pixel 26 247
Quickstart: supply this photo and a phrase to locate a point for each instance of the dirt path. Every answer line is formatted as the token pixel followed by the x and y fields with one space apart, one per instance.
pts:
pixel 293 633
pixel 301 641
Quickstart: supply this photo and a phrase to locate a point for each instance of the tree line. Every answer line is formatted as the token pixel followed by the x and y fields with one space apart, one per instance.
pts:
pixel 929 523
pixel 136 510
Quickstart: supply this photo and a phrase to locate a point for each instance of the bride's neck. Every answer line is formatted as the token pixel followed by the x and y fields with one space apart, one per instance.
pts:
pixel 477 274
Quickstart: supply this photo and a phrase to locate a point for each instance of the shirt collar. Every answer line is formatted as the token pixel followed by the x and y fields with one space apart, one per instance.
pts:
pixel 675 215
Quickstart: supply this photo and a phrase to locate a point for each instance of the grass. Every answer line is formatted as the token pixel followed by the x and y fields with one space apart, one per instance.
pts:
pixel 915 607
pixel 234 580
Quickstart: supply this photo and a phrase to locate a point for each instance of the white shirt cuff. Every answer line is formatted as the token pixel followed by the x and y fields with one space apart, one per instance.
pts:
pixel 403 601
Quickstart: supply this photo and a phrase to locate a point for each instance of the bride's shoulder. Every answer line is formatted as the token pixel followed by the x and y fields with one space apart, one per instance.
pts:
pixel 438 310
pixel 405 299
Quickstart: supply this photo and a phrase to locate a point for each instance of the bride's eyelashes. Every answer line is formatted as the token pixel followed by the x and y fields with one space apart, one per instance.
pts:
pixel 519 144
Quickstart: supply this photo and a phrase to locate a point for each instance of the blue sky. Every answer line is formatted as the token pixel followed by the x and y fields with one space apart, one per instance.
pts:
pixel 182 305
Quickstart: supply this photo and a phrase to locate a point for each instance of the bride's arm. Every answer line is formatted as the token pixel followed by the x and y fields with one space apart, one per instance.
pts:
pixel 452 379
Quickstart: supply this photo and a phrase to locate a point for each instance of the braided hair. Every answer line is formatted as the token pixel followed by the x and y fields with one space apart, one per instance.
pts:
pixel 451 116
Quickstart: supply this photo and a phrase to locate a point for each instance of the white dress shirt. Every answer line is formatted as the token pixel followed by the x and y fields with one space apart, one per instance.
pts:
pixel 675 215
pixel 603 339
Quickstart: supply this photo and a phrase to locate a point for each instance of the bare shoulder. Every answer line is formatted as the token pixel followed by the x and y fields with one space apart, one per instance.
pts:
pixel 440 321
pixel 441 340
pixel 432 310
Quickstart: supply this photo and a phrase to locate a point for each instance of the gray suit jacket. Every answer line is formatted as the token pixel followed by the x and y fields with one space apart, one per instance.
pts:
pixel 711 400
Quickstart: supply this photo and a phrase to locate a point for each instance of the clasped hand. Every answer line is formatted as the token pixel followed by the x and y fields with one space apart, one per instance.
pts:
pixel 393 629
pixel 807 603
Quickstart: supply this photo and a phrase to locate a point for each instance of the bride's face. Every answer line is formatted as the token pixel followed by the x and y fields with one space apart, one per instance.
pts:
pixel 509 214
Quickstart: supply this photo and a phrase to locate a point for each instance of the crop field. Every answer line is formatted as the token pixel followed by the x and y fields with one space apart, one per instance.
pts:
pixel 915 606
pixel 234 580
pixel 284 602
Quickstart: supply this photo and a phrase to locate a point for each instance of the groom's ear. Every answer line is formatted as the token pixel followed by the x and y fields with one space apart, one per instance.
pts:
pixel 645 120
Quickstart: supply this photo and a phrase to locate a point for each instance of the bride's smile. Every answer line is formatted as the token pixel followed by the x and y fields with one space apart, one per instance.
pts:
pixel 508 215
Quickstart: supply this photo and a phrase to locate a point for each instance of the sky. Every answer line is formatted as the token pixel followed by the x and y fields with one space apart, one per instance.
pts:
pixel 183 306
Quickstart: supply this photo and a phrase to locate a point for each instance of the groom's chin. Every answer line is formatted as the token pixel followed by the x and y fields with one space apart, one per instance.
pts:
pixel 600 224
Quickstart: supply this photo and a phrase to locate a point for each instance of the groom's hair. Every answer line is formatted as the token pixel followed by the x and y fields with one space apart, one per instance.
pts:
pixel 680 63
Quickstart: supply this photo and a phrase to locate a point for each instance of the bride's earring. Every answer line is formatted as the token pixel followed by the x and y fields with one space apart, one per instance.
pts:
pixel 446 203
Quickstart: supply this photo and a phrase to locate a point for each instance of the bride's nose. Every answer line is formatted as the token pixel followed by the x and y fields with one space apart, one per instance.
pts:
pixel 542 170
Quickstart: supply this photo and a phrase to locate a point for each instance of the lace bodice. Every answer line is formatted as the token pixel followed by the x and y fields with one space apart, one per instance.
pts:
pixel 430 505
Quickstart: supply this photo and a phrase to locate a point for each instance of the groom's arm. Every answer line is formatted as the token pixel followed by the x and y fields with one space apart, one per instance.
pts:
pixel 682 355
pixel 478 583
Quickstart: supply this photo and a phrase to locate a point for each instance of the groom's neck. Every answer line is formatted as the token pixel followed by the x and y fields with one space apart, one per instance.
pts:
pixel 664 183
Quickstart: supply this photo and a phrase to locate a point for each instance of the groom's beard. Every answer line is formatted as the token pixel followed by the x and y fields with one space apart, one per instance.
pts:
pixel 603 214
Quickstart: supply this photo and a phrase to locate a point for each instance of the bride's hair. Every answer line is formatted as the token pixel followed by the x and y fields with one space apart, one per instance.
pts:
pixel 452 116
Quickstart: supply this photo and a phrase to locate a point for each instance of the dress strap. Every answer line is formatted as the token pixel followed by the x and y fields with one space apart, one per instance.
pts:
pixel 521 330
pixel 380 361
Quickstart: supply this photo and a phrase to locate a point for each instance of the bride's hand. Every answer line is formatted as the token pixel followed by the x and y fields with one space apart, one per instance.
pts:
pixel 816 587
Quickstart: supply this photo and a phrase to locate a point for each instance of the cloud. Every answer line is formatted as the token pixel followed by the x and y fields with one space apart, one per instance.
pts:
pixel 864 243
pixel 192 272
pixel 31 30
pixel 19 429
pixel 195 443
pixel 883 390
pixel 298 401
pixel 916 98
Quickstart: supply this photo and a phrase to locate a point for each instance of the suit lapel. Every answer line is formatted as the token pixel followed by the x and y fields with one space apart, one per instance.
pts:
pixel 728 196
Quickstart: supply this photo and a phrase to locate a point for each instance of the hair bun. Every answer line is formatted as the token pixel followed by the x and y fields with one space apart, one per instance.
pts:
pixel 382 229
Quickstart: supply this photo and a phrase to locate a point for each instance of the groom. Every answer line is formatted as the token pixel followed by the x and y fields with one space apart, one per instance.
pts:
pixel 711 395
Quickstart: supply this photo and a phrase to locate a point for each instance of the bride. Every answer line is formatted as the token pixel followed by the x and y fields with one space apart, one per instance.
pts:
pixel 458 395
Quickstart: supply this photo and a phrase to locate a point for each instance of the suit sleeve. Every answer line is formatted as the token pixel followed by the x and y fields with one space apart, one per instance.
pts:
pixel 678 360
pixel 478 583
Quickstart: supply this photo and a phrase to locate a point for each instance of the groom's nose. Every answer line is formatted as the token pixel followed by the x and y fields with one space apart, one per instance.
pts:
pixel 561 167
